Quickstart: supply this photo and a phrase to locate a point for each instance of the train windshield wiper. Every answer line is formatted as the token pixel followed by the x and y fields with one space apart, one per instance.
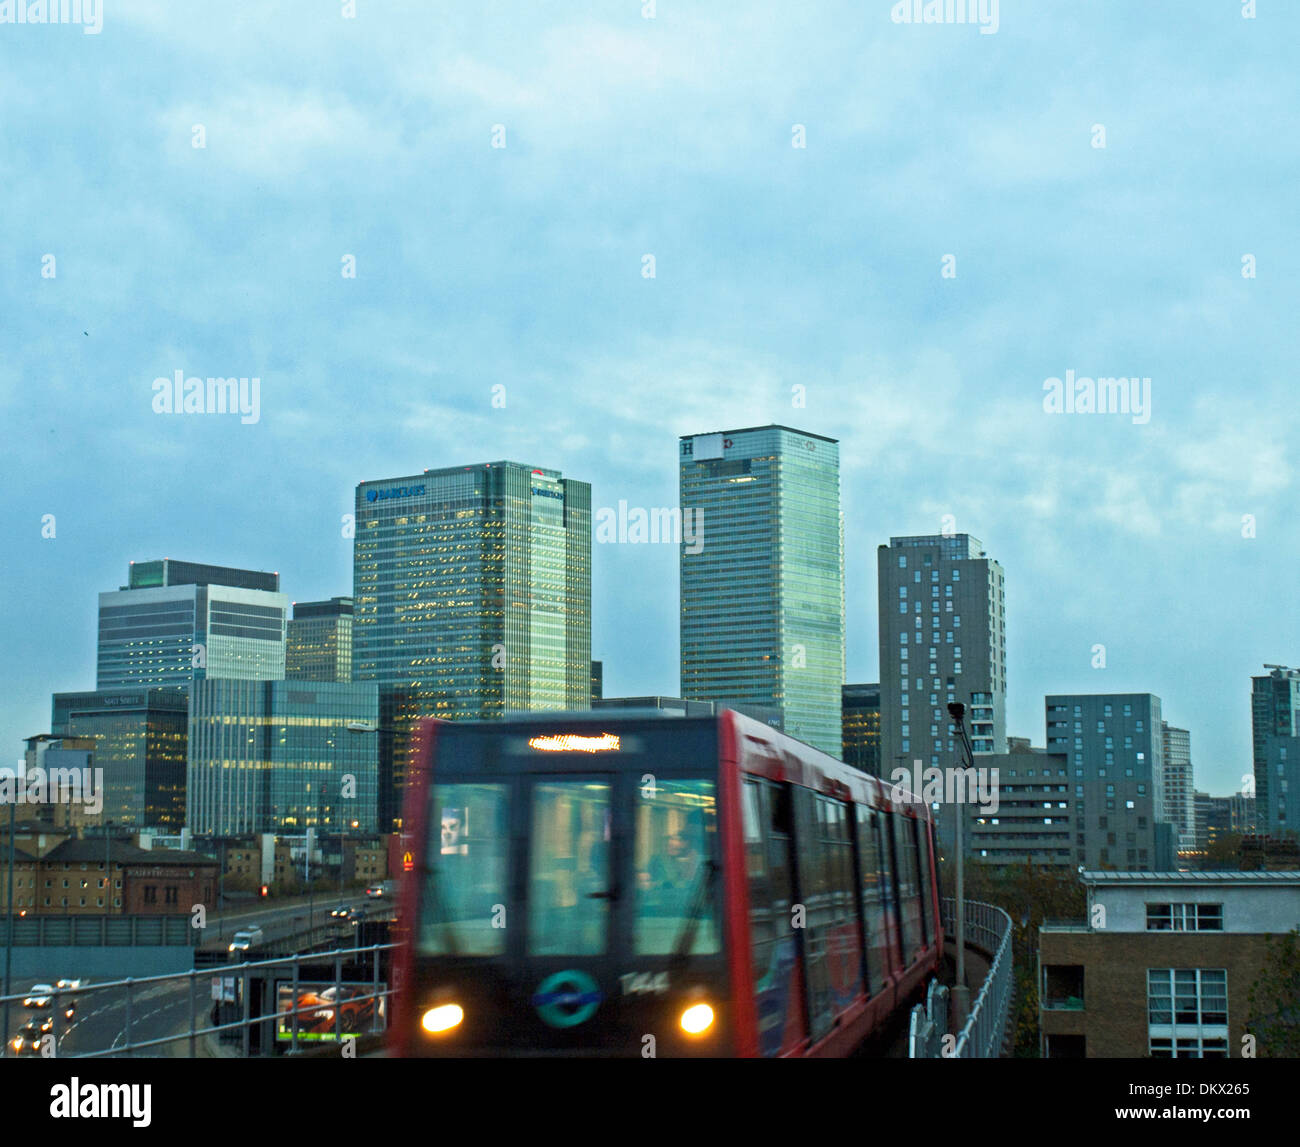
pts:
pixel 686 937
pixel 438 910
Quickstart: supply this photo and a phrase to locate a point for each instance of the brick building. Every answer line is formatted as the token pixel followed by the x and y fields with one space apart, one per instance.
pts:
pixel 94 877
pixel 1163 965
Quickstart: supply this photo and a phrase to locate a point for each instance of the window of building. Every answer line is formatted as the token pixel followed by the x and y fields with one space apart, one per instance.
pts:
pixel 1187 1012
pixel 1184 917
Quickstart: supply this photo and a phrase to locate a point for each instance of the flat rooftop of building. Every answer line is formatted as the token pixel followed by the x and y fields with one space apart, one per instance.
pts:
pixel 1227 876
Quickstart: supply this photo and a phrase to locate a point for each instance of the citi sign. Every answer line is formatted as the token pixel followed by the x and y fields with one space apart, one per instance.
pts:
pixel 399 492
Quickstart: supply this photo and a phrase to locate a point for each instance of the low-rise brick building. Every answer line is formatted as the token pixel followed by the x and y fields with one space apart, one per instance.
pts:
pixel 1163 965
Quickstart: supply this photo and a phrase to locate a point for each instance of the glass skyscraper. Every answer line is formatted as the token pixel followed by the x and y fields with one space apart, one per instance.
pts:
pixel 472 597
pixel 140 743
pixel 862 727
pixel 277 756
pixel 173 624
pixel 318 641
pixel 762 598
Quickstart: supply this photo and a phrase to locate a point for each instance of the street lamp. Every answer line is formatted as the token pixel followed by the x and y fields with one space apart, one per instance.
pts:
pixel 960 992
pixel 9 934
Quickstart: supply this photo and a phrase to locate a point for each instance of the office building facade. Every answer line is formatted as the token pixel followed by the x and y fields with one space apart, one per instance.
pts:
pixel 140 740
pixel 942 606
pixel 472 598
pixel 762 595
pixel 163 631
pixel 1115 747
pixel 1275 725
pixel 1179 790
pixel 1031 821
pixel 278 756
pixel 861 718
pixel 318 641
pixel 1163 964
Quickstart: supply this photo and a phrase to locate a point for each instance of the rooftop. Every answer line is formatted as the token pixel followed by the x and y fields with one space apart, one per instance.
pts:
pixel 1198 877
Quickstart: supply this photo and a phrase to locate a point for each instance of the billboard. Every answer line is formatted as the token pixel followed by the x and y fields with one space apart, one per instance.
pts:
pixel 317 1003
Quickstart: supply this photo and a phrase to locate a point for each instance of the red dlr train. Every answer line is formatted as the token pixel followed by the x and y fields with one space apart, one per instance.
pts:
pixel 614 883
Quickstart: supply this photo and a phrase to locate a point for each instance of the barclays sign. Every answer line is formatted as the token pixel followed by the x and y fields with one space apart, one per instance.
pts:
pixel 399 492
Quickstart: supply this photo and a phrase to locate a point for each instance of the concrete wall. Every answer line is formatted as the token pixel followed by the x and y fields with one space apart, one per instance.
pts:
pixel 1245 908
pixel 45 965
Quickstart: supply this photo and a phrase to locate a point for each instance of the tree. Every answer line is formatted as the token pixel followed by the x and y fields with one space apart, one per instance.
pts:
pixel 1223 853
pixel 1273 1003
pixel 1029 895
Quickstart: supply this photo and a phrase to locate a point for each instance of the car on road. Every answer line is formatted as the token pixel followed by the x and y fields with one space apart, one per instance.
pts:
pixel 377 891
pixel 41 996
pixel 245 938
pixel 341 912
pixel 356 916
pixel 69 1003
pixel 27 1040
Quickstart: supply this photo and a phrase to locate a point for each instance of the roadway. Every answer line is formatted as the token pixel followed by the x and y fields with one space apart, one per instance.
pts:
pixel 164 1009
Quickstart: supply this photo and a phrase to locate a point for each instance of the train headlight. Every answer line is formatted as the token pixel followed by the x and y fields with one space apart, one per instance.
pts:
pixel 697 1019
pixel 442 1018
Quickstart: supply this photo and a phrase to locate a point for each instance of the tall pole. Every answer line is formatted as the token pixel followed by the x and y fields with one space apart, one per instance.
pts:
pixel 960 992
pixel 221 885
pixel 9 936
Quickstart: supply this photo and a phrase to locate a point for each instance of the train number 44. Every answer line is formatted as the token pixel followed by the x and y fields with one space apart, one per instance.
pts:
pixel 643 983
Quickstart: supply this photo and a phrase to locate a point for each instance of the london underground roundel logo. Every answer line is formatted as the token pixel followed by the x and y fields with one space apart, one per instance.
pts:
pixel 567 999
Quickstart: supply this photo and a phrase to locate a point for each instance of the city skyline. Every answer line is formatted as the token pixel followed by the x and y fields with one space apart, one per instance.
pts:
pixel 704 219
pixel 1034 736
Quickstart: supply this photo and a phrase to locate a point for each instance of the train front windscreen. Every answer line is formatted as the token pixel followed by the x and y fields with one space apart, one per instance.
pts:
pixel 572 893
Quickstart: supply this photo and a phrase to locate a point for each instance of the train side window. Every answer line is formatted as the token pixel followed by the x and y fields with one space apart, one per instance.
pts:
pixel 876 938
pixel 908 893
pixel 775 952
pixel 844 943
pixel 884 842
pixel 922 833
pixel 762 926
pixel 781 809
pixel 813 886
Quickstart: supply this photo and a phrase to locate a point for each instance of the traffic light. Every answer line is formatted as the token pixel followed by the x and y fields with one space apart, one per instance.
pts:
pixel 265 889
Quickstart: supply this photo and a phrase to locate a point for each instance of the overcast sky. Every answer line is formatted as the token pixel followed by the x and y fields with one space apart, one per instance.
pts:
pixel 775 267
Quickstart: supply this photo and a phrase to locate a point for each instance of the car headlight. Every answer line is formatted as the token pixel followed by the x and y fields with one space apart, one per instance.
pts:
pixel 442 1018
pixel 697 1019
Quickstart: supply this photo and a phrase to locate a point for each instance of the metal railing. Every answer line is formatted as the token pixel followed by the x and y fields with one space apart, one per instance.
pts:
pixel 982 1035
pixel 929 1024
pixel 256 1018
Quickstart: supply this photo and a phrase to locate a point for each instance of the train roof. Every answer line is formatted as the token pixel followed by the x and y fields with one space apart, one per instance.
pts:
pixel 769 751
